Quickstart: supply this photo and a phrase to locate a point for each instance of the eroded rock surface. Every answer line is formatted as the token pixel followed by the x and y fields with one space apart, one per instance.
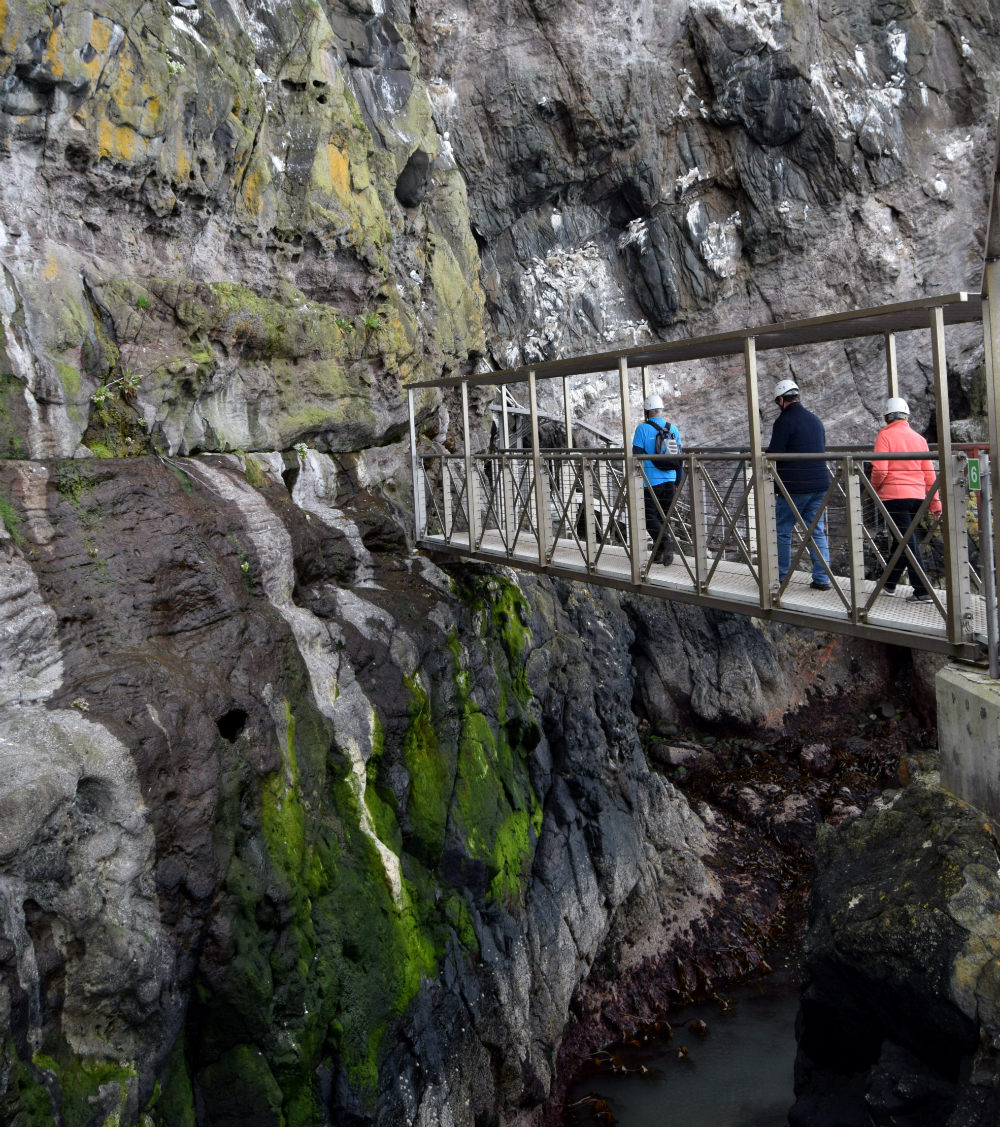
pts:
pixel 660 170
pixel 295 826
pixel 298 827
pixel 898 1022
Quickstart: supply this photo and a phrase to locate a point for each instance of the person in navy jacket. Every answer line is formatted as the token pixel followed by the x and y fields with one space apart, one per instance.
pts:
pixel 798 431
pixel 658 494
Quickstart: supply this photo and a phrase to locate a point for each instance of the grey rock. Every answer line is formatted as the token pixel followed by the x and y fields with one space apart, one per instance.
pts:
pixel 816 758
pixel 898 993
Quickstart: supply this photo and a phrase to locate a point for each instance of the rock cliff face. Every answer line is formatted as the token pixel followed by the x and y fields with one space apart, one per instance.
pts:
pixel 243 217
pixel 666 169
pixel 295 826
pixel 299 829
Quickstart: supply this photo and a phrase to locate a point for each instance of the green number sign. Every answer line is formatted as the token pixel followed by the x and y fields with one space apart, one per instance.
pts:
pixel 975 481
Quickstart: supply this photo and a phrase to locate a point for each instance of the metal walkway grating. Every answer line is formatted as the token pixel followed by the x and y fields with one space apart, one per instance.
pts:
pixel 891 618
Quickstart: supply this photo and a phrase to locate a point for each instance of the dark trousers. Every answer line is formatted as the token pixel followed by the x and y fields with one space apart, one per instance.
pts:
pixel 902 510
pixel 664 494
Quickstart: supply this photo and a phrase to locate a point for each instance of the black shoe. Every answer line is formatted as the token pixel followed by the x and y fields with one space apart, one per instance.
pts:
pixel 666 558
pixel 889 589
pixel 820 586
pixel 920 598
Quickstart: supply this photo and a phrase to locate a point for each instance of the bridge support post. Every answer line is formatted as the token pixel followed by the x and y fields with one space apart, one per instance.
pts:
pixel 855 537
pixel 891 370
pixel 958 612
pixel 699 521
pixel 968 707
pixel 988 569
pixel 589 515
pixel 416 469
pixel 767 563
pixel 543 520
pixel 471 492
pixel 510 528
pixel 567 473
pixel 636 513
pixel 991 340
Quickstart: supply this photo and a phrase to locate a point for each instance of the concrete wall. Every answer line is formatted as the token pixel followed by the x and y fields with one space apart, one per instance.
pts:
pixel 968 705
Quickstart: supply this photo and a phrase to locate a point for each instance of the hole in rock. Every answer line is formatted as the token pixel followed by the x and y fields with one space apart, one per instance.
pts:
pixel 93 796
pixel 232 724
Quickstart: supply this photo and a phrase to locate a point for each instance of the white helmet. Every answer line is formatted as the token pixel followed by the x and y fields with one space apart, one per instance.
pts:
pixel 652 403
pixel 896 406
pixel 784 388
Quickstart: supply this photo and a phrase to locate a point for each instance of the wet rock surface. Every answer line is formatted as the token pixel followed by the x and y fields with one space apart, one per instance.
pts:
pixel 763 805
pixel 898 1020
pixel 297 825
pixel 329 789
pixel 332 789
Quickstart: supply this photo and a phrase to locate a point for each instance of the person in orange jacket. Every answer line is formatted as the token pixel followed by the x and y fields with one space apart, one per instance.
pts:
pixel 902 486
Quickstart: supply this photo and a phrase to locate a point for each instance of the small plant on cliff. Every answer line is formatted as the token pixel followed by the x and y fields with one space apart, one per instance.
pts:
pixel 372 322
pixel 142 302
pixel 73 483
pixel 301 449
pixel 344 325
pixel 127 385
pixel 11 521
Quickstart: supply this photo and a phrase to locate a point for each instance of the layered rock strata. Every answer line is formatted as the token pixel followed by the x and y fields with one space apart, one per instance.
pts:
pixel 299 828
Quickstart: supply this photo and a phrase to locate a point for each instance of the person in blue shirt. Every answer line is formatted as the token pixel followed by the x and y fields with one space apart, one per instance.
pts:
pixel 798 431
pixel 658 494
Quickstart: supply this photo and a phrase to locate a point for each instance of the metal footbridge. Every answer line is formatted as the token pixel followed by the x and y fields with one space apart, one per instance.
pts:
pixel 547 493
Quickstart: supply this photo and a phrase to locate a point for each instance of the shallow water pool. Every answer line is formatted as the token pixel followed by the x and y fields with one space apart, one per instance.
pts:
pixel 738 1074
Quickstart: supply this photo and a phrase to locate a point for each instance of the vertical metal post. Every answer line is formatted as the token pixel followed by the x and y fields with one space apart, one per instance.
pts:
pixel 471 492
pixel 989 574
pixel 417 469
pixel 510 514
pixel 952 491
pixel 891 370
pixel 855 536
pixel 542 519
pixel 991 339
pixel 699 522
pixel 636 512
pixel 762 488
pixel 589 516
pixel 449 522
pixel 646 389
pixel 567 475
pixel 567 413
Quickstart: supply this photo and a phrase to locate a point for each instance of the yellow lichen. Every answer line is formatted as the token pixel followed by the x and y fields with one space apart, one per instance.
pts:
pixel 337 178
pixel 116 142
pixel 253 183
pixel 53 56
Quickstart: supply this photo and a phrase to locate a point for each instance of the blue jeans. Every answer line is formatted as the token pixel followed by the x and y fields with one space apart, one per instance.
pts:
pixel 807 504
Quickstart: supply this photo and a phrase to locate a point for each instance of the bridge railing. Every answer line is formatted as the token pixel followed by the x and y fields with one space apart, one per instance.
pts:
pixel 568 511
